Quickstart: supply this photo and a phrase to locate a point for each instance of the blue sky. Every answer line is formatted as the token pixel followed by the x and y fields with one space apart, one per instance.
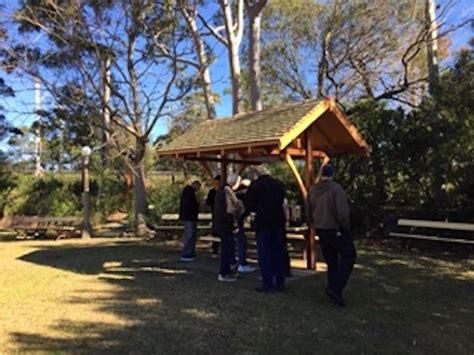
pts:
pixel 22 106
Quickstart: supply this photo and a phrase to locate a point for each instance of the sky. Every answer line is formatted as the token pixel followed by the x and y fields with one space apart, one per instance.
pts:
pixel 20 109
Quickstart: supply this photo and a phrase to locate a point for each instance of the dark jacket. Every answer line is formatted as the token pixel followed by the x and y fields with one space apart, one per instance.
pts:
pixel 221 220
pixel 188 205
pixel 265 197
pixel 241 193
pixel 211 196
pixel 328 206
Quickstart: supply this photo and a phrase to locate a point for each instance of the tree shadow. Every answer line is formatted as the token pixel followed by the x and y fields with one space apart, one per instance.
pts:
pixel 162 305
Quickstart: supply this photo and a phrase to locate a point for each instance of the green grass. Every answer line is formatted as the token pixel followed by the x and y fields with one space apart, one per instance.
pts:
pixel 134 297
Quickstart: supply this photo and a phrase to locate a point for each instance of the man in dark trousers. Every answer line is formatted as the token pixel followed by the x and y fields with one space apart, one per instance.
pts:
pixel 188 214
pixel 265 198
pixel 227 211
pixel 211 196
pixel 329 215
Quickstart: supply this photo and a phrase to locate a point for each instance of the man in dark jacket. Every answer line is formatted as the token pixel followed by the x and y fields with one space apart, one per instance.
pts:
pixel 329 215
pixel 211 196
pixel 188 214
pixel 264 199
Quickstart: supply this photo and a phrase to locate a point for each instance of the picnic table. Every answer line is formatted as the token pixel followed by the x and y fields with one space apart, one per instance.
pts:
pixel 41 226
pixel 296 235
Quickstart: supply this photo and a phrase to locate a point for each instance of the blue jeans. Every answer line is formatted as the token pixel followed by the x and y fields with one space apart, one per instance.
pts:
pixel 241 247
pixel 227 239
pixel 189 238
pixel 270 258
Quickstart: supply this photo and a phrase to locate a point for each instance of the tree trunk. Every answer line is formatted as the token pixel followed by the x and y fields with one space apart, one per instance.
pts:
pixel 432 46
pixel 106 109
pixel 235 78
pixel 254 12
pixel 323 61
pixel 38 145
pixel 140 194
pixel 190 17
pixel 322 67
pixel 234 32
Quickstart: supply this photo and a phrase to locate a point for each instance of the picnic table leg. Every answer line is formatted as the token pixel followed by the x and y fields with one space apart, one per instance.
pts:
pixel 310 249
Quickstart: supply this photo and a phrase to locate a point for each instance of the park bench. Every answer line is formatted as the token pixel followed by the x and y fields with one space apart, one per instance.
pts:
pixel 295 235
pixel 41 227
pixel 435 231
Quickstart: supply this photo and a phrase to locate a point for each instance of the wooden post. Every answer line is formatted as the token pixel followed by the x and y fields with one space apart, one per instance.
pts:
pixel 206 167
pixel 223 169
pixel 242 168
pixel 324 160
pixel 295 172
pixel 310 240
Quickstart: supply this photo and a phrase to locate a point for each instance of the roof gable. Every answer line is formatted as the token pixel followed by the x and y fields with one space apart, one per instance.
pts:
pixel 273 128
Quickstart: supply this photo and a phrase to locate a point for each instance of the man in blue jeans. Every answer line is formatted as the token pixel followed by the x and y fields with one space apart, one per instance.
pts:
pixel 265 198
pixel 243 265
pixel 329 215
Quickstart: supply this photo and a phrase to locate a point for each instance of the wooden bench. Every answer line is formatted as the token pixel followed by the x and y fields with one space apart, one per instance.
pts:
pixel 171 222
pixel 425 230
pixel 295 235
pixel 37 227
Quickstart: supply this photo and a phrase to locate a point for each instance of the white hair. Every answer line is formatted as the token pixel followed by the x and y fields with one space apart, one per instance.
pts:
pixel 233 180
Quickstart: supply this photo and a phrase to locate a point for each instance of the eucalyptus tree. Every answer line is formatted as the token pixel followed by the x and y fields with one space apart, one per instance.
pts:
pixel 129 56
pixel 356 49
pixel 254 12
pixel 230 34
pixel 189 11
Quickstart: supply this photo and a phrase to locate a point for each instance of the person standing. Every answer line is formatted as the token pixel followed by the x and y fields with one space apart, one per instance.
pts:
pixel 329 215
pixel 211 196
pixel 227 211
pixel 243 265
pixel 265 198
pixel 286 254
pixel 188 214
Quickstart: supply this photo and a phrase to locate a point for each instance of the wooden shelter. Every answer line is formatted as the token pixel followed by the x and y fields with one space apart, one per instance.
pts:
pixel 309 130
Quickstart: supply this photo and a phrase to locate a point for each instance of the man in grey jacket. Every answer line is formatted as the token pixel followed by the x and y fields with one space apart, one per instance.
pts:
pixel 329 215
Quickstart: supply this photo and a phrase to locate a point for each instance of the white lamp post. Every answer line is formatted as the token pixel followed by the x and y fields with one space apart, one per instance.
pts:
pixel 86 224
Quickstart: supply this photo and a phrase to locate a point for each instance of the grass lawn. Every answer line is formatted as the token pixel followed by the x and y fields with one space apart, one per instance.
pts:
pixel 132 296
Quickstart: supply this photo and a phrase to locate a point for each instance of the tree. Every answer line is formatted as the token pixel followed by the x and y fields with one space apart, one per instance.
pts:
pixel 234 30
pixel 137 43
pixel 254 11
pixel 357 50
pixel 189 13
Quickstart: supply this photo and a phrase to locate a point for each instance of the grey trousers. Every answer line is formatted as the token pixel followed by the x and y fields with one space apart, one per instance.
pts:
pixel 189 238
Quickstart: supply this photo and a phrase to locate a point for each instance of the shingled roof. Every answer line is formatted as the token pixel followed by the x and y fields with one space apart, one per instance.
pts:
pixel 276 128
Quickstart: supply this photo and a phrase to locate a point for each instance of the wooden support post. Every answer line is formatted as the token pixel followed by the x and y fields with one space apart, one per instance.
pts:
pixel 242 168
pixel 223 169
pixel 206 167
pixel 310 240
pixel 295 172
pixel 324 160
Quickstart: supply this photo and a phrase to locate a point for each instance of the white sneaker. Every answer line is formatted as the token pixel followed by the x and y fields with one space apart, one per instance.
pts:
pixel 187 258
pixel 226 278
pixel 245 268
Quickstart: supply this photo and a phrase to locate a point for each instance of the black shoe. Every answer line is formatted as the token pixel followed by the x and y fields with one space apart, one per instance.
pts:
pixel 263 290
pixel 280 289
pixel 336 298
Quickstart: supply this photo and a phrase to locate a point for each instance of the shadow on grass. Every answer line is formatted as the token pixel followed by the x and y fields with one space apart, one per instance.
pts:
pixel 396 301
